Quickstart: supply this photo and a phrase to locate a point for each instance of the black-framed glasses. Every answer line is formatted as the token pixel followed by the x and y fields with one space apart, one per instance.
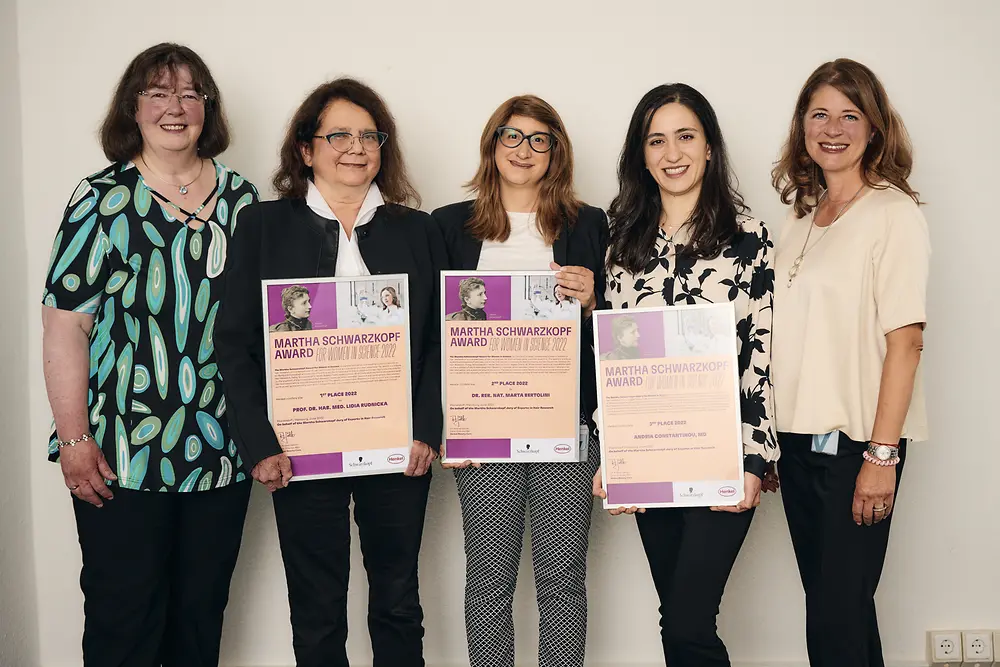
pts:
pixel 161 99
pixel 540 142
pixel 344 141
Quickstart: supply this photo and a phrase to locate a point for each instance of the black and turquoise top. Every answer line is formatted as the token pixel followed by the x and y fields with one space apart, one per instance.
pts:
pixel 156 403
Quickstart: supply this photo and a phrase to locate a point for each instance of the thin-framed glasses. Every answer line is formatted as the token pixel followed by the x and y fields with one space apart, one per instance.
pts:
pixel 160 99
pixel 540 142
pixel 344 141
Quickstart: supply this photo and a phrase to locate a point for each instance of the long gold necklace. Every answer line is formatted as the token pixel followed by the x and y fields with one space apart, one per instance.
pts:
pixel 796 265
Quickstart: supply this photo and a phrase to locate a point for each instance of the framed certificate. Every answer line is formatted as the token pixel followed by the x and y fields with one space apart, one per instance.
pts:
pixel 337 356
pixel 669 406
pixel 510 368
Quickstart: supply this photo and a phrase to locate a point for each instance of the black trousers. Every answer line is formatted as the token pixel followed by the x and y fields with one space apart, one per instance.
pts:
pixel 156 573
pixel 840 563
pixel 314 532
pixel 691 552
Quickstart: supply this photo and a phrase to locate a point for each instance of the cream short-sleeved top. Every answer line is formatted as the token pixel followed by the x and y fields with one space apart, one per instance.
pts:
pixel 864 276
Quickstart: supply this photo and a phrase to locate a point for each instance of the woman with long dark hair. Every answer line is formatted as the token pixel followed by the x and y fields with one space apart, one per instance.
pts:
pixel 680 235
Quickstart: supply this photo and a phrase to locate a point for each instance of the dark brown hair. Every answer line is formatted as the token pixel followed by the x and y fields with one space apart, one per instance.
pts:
pixel 291 180
pixel 635 210
pixel 120 137
pixel 557 200
pixel 888 157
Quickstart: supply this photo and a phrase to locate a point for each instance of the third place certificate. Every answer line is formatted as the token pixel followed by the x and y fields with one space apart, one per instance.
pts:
pixel 668 406
pixel 510 368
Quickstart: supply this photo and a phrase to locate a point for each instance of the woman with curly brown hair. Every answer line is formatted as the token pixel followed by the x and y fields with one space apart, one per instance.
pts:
pixel 341 212
pixel 849 314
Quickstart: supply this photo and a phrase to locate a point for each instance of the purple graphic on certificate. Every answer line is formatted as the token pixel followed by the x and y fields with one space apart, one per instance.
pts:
pixel 634 335
pixel 477 298
pixel 301 306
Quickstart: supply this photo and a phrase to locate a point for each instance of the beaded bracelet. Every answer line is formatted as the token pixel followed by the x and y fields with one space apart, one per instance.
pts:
pixel 871 459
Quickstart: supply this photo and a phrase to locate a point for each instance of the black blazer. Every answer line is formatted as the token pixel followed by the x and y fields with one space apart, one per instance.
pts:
pixel 286 239
pixel 585 243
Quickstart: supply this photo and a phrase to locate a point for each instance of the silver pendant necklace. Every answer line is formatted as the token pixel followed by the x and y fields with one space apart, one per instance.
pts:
pixel 183 189
pixel 797 264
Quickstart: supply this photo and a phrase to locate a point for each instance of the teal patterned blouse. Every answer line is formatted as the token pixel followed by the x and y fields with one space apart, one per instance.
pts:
pixel 156 403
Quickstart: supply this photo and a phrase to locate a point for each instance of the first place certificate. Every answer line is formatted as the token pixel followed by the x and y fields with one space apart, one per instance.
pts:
pixel 669 406
pixel 510 368
pixel 337 356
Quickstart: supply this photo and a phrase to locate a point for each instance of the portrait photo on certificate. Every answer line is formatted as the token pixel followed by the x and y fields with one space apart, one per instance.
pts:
pixel 669 406
pixel 338 374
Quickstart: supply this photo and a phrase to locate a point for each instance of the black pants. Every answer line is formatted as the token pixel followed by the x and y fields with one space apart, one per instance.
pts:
pixel 314 530
pixel 840 563
pixel 156 573
pixel 691 552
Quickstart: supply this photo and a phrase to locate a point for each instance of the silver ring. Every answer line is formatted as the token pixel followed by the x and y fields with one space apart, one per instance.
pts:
pixel 74 488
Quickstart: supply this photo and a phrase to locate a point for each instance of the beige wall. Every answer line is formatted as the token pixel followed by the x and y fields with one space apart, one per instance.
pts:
pixel 444 67
pixel 18 622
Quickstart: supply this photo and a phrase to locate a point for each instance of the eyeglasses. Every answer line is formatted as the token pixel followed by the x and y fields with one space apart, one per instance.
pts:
pixel 540 142
pixel 161 99
pixel 344 141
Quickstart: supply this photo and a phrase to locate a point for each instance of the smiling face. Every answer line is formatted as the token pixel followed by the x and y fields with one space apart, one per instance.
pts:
pixel 836 132
pixel 355 168
pixel 164 122
pixel 676 150
pixel 300 308
pixel 386 298
pixel 476 298
pixel 522 166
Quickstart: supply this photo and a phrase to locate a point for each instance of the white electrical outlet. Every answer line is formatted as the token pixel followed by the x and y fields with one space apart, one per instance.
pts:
pixel 945 648
pixel 977 647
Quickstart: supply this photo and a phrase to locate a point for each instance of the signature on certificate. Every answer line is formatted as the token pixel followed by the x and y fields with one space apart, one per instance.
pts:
pixel 457 419
pixel 284 436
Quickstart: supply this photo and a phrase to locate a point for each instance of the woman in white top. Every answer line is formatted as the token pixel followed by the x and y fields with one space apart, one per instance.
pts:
pixel 849 313
pixel 526 217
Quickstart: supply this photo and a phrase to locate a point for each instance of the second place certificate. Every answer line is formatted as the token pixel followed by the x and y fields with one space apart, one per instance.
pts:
pixel 510 368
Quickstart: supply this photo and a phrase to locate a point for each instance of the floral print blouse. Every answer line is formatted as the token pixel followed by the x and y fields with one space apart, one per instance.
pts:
pixel 742 274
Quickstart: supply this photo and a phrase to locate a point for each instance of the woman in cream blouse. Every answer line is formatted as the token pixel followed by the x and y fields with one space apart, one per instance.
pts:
pixel 849 314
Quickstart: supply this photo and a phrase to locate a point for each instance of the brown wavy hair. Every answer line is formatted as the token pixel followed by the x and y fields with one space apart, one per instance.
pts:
pixel 557 200
pixel 291 180
pixel 888 157
pixel 120 136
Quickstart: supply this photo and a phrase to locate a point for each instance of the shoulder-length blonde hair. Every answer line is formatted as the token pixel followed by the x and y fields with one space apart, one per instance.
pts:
pixel 557 200
pixel 888 157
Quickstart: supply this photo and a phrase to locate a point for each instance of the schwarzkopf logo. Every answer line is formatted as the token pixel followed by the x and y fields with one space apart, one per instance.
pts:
pixel 528 450
pixel 361 463
pixel 691 494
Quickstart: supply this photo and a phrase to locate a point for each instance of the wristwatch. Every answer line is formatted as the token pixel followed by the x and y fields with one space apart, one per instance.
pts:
pixel 882 454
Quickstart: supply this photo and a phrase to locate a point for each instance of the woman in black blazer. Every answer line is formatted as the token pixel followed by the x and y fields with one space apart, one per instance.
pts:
pixel 526 217
pixel 342 183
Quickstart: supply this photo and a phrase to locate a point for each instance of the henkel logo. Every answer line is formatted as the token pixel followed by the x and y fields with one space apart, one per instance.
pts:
pixel 562 449
pixel 396 459
pixel 727 491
